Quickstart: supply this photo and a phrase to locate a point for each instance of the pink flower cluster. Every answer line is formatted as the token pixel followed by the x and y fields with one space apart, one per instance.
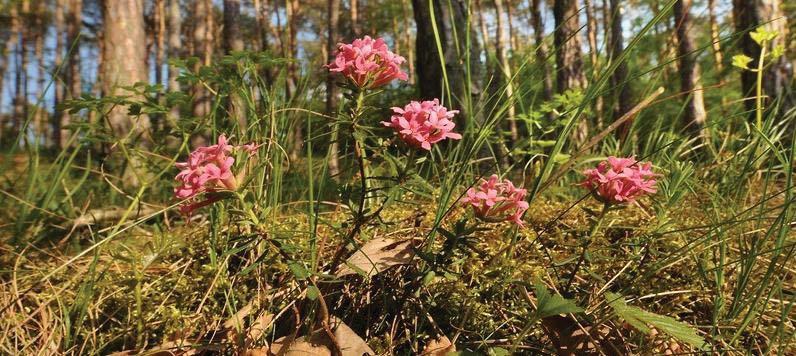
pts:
pixel 494 200
pixel 208 169
pixel 368 63
pixel 421 124
pixel 620 180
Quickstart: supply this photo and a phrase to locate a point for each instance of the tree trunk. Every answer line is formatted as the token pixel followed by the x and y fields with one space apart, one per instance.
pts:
pixel 694 115
pixel 591 35
pixel 714 35
pixel 505 68
pixel 450 18
pixel 74 23
pixel 569 62
pixel 124 64
pixel 354 14
pixel 159 10
pixel 407 38
pixel 332 24
pixel 58 132
pixel 20 77
pixel 541 49
pixel 292 10
pixel 203 37
pixel 513 40
pixel 39 128
pixel 175 46
pixel 233 41
pixel 622 100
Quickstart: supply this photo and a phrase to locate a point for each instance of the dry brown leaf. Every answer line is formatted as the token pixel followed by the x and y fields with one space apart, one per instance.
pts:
pixel 570 339
pixel 440 346
pixel 350 343
pixel 378 255
pixel 298 347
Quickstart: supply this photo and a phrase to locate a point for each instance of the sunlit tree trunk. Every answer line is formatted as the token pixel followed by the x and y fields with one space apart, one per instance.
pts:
pixel 714 35
pixel 58 132
pixel 354 15
pixel 74 23
pixel 124 64
pixel 407 38
pixel 622 99
pixel 513 37
pixel 292 10
pixel 203 39
pixel 569 61
pixel 20 75
pixel 541 49
pixel 503 63
pixel 175 47
pixel 690 86
pixel 233 41
pixel 40 117
pixel 591 36
pixel 332 30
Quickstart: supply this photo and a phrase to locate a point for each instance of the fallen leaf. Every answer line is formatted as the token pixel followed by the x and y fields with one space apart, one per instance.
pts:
pixel 284 346
pixel 350 343
pixel 376 256
pixel 440 346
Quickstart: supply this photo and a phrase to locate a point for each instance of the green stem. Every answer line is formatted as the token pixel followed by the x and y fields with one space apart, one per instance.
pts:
pixel 759 89
pixel 525 330
pixel 589 239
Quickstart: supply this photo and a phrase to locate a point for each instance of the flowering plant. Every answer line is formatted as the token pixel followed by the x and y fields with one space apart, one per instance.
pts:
pixel 368 63
pixel 620 180
pixel 208 170
pixel 421 124
pixel 494 200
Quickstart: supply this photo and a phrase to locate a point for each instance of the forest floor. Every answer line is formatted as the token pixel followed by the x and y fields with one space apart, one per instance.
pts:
pixel 164 291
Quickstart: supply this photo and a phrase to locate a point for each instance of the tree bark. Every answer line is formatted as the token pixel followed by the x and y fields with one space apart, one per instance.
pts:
pixel 714 35
pixel 292 10
pixel 407 38
pixel 124 64
pixel 569 62
pixel 505 68
pixel 20 77
pixel 541 49
pixel 58 132
pixel 354 13
pixel 233 41
pixel 175 47
pixel 332 24
pixel 450 20
pixel 203 38
pixel 690 86
pixel 622 100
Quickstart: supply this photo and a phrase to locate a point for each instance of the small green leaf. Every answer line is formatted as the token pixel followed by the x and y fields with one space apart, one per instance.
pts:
pixel 761 35
pixel 429 278
pixel 298 270
pixel 777 51
pixel 552 304
pixel 741 61
pixel 313 292
pixel 640 319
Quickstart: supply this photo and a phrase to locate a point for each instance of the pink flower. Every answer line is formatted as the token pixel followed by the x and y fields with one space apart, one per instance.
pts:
pixel 367 63
pixel 620 180
pixel 207 170
pixel 493 200
pixel 421 124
